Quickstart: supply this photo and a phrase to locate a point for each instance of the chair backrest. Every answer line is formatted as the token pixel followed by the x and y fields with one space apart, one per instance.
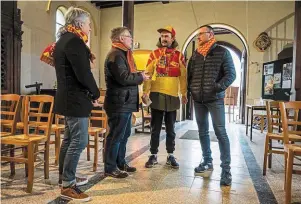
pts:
pixel 42 117
pixel 98 115
pixel 273 116
pixel 10 105
pixel 59 119
pixel 290 121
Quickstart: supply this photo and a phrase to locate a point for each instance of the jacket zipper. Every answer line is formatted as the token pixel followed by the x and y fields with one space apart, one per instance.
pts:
pixel 203 79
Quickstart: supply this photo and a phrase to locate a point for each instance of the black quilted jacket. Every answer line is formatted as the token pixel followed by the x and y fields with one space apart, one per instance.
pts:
pixel 122 86
pixel 210 76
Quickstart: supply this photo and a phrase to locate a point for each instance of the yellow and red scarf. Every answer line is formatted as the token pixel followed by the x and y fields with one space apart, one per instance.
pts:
pixel 47 55
pixel 203 49
pixel 129 56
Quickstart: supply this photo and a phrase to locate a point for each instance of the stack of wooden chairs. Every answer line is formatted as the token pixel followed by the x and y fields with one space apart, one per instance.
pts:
pixel 26 125
pixel 279 117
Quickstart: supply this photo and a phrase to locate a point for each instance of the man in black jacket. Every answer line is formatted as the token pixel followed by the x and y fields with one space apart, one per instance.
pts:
pixel 75 96
pixel 122 97
pixel 210 73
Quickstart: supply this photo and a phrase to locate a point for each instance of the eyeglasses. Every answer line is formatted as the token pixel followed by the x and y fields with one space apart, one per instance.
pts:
pixel 202 33
pixel 128 36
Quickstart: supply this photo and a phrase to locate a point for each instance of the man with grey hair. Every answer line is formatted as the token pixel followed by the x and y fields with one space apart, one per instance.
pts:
pixel 76 94
pixel 122 98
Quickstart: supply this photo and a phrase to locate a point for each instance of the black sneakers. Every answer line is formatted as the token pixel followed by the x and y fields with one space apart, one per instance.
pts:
pixel 171 161
pixel 117 174
pixel 203 167
pixel 226 178
pixel 127 168
pixel 152 161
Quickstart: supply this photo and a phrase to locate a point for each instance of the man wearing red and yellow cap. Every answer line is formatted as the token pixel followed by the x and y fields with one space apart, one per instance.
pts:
pixel 167 68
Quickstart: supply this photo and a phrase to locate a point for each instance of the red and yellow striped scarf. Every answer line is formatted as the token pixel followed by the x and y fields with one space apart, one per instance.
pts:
pixel 47 55
pixel 129 56
pixel 203 49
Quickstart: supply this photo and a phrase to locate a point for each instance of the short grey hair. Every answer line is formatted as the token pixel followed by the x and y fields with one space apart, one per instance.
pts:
pixel 117 32
pixel 74 16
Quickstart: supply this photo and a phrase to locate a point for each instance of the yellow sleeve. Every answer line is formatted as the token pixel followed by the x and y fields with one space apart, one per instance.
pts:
pixel 182 78
pixel 150 70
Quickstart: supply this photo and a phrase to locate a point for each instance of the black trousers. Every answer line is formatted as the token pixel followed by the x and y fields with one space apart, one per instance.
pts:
pixel 156 124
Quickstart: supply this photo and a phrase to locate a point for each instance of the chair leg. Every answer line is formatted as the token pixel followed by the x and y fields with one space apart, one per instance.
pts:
pixel 96 141
pixel 12 164
pixel 30 163
pixel 46 160
pixel 88 149
pixel 25 154
pixel 57 146
pixel 103 148
pixel 266 150
pixel 261 124
pixel 270 155
pixel 289 171
pixel 285 168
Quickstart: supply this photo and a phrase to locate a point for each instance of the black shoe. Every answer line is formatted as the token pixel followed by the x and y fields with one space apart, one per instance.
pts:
pixel 152 161
pixel 171 161
pixel 127 168
pixel 203 167
pixel 117 174
pixel 226 178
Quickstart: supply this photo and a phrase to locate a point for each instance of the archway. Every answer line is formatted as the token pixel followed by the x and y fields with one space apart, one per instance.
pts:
pixel 244 62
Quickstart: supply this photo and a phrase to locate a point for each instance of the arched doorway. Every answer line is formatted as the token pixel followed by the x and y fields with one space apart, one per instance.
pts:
pixel 243 53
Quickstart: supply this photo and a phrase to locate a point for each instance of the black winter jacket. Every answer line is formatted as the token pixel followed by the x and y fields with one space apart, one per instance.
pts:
pixel 122 86
pixel 208 77
pixel 76 86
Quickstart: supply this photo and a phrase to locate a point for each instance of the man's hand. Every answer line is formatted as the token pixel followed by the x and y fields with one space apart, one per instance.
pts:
pixel 96 104
pixel 145 76
pixel 184 100
pixel 144 98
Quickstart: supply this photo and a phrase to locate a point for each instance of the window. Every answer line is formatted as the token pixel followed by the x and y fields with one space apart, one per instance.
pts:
pixel 60 20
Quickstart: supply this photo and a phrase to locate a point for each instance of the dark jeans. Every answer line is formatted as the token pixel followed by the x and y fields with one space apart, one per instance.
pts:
pixel 156 124
pixel 217 112
pixel 120 130
pixel 74 142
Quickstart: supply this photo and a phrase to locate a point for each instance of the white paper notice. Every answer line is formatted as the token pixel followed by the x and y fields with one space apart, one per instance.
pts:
pixel 286 84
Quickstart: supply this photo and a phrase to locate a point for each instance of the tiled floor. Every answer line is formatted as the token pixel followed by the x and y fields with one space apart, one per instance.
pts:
pixel 162 184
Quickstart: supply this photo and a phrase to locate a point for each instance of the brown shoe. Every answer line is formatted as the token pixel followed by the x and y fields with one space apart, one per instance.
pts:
pixel 74 193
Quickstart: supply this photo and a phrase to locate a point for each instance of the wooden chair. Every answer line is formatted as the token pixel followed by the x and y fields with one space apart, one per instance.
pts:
pixel 146 119
pixel 291 150
pixel 57 128
pixel 259 116
pixel 30 141
pixel 231 100
pixel 10 105
pixel 9 109
pixel 97 131
pixel 274 122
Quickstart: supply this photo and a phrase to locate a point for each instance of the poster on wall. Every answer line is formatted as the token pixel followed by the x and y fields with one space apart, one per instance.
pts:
pixel 268 69
pixel 287 71
pixel 277 80
pixel 269 85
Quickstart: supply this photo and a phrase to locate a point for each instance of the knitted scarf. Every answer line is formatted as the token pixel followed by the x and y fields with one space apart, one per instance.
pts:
pixel 203 49
pixel 47 55
pixel 129 56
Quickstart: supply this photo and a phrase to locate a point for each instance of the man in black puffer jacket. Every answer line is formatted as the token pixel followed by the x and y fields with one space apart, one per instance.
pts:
pixel 210 72
pixel 122 80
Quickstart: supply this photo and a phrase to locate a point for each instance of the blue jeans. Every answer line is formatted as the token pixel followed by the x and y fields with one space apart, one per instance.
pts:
pixel 74 142
pixel 120 130
pixel 217 112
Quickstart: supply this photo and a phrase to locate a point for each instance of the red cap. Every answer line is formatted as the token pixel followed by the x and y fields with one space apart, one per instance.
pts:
pixel 168 29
